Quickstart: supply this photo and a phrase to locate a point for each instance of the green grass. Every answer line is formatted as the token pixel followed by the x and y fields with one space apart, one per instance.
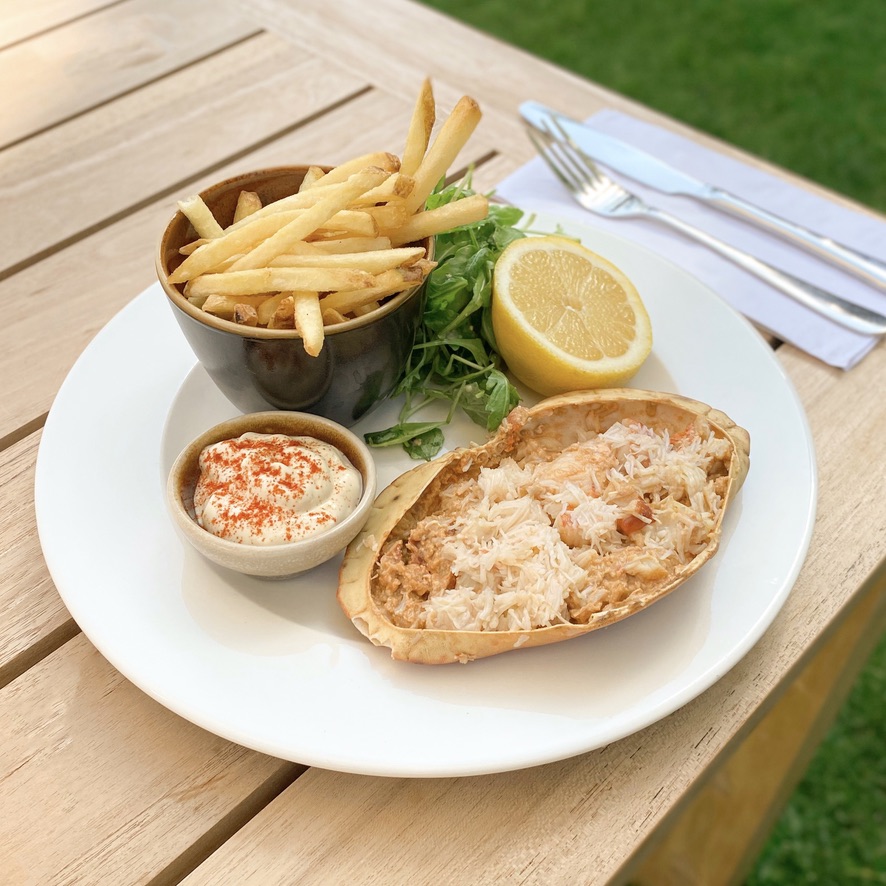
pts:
pixel 803 84
pixel 833 830
pixel 800 82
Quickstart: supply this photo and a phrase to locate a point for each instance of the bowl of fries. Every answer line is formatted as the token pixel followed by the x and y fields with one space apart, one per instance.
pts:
pixel 320 335
pixel 300 287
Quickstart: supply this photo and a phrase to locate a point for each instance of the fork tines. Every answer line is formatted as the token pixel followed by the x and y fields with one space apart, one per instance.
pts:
pixel 563 156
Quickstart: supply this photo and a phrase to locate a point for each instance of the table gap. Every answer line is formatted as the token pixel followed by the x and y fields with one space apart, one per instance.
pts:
pixel 177 186
pixel 225 828
pixel 37 652
pixel 133 89
pixel 13 437
pixel 459 174
pixel 64 24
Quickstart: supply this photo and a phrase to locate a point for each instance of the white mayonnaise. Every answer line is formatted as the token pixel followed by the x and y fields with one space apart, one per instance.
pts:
pixel 269 489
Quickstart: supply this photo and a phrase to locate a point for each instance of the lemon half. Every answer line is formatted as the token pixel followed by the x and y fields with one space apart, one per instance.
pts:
pixel 565 318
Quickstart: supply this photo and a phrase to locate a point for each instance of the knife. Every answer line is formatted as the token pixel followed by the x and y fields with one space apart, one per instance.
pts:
pixel 642 167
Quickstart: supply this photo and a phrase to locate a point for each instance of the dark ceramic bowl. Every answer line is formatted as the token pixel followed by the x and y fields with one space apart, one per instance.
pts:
pixel 259 368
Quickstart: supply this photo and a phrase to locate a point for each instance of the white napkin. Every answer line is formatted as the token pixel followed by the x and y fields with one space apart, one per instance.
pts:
pixel 533 186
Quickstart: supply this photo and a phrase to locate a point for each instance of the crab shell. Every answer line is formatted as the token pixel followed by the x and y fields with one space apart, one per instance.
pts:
pixel 563 419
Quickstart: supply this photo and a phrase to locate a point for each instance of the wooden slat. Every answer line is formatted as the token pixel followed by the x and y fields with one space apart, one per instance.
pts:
pixel 23 20
pixel 400 48
pixel 80 288
pixel 100 784
pixel 578 820
pixel 68 70
pixel 81 174
pixel 33 619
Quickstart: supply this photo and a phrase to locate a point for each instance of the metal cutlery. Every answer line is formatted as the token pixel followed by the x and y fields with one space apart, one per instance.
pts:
pixel 599 194
pixel 636 164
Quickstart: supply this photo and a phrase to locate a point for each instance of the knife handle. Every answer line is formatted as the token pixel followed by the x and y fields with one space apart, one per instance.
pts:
pixel 847 314
pixel 870 269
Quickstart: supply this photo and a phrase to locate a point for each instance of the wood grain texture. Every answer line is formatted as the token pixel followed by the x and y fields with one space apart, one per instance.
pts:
pixel 33 619
pixel 19 21
pixel 399 43
pixel 100 784
pixel 135 149
pixel 94 59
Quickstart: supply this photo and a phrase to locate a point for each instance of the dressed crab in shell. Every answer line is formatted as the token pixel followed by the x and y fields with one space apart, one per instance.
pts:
pixel 581 511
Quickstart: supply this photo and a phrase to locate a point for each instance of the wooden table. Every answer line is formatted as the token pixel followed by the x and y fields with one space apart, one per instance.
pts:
pixel 112 111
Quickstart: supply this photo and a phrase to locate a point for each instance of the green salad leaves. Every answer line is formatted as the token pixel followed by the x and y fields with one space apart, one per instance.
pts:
pixel 455 357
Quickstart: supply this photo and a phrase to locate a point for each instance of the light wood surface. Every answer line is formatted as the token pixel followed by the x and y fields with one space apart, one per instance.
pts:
pixel 124 107
pixel 74 69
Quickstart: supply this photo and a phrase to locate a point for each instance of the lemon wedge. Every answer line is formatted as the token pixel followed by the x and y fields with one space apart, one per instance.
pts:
pixel 565 318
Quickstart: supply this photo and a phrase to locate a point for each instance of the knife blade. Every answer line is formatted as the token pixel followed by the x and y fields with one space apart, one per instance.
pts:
pixel 619 155
pixel 643 167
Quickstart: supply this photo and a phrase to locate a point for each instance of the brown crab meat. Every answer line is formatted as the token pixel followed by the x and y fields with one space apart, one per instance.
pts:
pixel 579 512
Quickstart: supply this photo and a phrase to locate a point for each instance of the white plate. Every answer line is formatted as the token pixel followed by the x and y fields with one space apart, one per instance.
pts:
pixel 277 667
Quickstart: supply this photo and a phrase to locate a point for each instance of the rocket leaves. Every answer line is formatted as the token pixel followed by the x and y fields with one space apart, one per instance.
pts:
pixel 455 357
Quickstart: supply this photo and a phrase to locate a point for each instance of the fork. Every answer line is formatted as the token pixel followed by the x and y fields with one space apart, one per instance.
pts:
pixel 599 194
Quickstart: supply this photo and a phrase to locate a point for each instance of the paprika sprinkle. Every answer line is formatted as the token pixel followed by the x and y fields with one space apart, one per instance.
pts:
pixel 269 489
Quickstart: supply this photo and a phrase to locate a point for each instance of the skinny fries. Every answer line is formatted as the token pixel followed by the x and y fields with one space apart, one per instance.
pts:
pixel 337 248
pixel 247 203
